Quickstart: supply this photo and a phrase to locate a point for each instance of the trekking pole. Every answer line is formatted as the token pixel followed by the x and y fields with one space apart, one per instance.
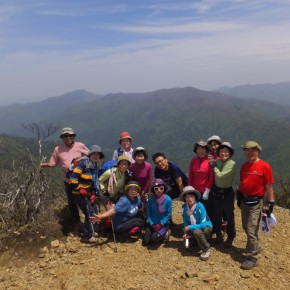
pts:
pixel 113 231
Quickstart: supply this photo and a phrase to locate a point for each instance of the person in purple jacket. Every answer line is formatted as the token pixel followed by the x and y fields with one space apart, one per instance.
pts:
pixel 141 171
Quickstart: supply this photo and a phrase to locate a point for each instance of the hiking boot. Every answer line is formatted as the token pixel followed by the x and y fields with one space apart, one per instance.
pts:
pixel 205 255
pixel 167 235
pixel 248 264
pixel 228 243
pixel 91 240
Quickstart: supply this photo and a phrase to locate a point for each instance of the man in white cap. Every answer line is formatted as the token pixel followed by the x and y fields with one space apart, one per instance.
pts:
pixel 256 179
pixel 63 156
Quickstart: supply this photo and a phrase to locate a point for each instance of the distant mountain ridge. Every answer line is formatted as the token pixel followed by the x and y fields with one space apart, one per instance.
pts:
pixel 171 120
pixel 12 116
pixel 276 93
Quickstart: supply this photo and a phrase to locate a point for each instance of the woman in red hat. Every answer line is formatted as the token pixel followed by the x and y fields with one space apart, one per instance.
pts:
pixel 125 141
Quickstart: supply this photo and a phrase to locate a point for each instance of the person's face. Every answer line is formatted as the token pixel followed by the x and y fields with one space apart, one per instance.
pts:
pixel 123 165
pixel 252 154
pixel 161 163
pixel 95 157
pixel 159 190
pixel 213 146
pixel 224 154
pixel 190 199
pixel 133 192
pixel 126 143
pixel 68 139
pixel 139 158
pixel 200 151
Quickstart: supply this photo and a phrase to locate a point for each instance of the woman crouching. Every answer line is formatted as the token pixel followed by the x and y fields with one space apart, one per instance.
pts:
pixel 158 212
pixel 195 220
pixel 125 214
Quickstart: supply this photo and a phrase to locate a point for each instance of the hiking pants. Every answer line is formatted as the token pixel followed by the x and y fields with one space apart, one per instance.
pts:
pixel 251 216
pixel 224 206
pixel 72 205
pixel 84 204
pixel 200 236
pixel 130 224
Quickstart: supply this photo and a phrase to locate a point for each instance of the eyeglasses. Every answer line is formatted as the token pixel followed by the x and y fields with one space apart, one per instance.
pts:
pixel 68 136
pixel 161 187
pixel 159 161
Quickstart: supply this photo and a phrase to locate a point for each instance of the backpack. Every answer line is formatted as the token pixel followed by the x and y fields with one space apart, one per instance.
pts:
pixel 107 165
pixel 74 163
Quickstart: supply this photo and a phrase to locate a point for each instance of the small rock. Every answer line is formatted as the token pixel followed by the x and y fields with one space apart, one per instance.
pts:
pixel 245 275
pixel 210 279
pixel 71 248
pixel 54 244
pixel 257 275
pixel 191 274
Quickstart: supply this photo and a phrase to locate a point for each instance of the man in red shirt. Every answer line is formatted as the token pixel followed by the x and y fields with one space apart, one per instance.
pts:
pixel 256 179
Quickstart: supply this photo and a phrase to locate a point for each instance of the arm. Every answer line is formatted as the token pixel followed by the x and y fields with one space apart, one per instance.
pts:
pixel 168 211
pixel 75 176
pixel 190 173
pixel 103 178
pixel 228 170
pixel 148 211
pixel 47 164
pixel 179 183
pixel 149 179
pixel 210 178
pixel 270 192
pixel 99 217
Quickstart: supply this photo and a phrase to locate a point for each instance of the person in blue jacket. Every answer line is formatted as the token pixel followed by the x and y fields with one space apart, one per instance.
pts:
pixel 158 212
pixel 195 220
pixel 125 214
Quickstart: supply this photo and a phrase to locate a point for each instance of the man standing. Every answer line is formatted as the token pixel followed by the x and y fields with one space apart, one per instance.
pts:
pixel 256 179
pixel 170 173
pixel 63 156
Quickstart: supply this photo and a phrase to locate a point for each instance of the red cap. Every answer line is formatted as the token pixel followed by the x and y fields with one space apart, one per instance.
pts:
pixel 125 135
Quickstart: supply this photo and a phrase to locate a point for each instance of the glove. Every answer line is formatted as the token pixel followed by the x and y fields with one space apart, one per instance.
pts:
pixel 269 208
pixel 83 192
pixel 212 164
pixel 105 192
pixel 205 194
pixel 157 227
pixel 93 198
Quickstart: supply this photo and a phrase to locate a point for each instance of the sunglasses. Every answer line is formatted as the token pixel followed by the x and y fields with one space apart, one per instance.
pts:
pixel 68 136
pixel 161 187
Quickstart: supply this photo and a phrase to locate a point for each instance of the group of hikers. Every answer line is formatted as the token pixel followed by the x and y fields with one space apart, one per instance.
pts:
pixel 138 201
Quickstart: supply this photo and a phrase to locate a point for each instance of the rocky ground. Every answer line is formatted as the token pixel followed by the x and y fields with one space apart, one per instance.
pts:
pixel 65 263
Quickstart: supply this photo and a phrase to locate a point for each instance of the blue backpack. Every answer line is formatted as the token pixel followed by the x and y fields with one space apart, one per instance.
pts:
pixel 107 165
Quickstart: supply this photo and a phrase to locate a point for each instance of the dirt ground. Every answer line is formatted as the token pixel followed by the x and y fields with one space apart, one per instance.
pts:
pixel 65 263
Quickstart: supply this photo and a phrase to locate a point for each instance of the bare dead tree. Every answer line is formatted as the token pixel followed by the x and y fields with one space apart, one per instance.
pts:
pixel 22 189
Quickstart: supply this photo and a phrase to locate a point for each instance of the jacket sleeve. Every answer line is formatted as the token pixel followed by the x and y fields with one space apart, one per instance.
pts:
pixel 186 221
pixel 168 211
pixel 150 178
pixel 228 170
pixel 103 178
pixel 76 174
pixel 210 178
pixel 148 211
pixel 190 173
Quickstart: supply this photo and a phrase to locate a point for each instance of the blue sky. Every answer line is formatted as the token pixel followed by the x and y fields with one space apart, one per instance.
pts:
pixel 51 47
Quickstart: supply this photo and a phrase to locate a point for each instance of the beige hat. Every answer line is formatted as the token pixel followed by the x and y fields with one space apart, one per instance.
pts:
pixel 190 190
pixel 251 144
pixel 67 130
pixel 123 157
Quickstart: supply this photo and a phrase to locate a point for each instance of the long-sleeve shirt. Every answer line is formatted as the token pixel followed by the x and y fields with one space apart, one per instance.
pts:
pixel 64 155
pixel 200 215
pixel 142 173
pixel 120 180
pixel 84 174
pixel 201 175
pixel 224 173
pixel 153 214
